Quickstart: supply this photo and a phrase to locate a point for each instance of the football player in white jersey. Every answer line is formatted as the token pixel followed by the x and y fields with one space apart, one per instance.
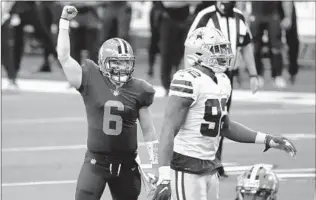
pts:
pixel 196 117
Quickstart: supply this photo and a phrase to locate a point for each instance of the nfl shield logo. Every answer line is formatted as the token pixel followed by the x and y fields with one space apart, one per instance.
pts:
pixel 116 92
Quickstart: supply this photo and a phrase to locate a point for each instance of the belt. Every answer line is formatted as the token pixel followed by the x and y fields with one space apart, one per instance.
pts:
pixel 114 163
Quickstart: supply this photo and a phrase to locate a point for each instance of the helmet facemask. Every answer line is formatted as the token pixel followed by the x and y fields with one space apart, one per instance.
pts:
pixel 115 63
pixel 209 48
pixel 255 194
pixel 119 70
pixel 263 186
pixel 219 57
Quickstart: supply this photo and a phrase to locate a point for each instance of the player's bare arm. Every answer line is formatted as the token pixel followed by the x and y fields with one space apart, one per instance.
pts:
pixel 149 133
pixel 240 133
pixel 175 114
pixel 71 67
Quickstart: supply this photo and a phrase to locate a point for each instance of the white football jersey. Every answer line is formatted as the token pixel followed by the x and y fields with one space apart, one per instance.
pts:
pixel 199 135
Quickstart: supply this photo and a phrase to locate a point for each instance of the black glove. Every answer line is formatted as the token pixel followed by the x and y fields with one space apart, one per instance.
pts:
pixel 281 143
pixel 163 191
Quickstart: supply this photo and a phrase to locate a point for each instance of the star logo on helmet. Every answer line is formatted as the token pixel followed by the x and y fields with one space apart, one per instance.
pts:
pixel 199 36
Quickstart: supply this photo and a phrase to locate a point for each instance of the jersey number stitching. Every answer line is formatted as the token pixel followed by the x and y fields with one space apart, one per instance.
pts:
pixel 213 115
pixel 112 123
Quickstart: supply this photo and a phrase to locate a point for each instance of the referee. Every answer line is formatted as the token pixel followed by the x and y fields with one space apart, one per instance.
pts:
pixel 225 17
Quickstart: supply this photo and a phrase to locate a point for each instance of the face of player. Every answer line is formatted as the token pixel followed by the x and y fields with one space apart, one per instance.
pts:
pixel 223 54
pixel 121 70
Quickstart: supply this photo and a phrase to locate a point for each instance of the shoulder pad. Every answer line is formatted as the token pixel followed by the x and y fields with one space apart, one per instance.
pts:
pixel 87 67
pixel 190 73
pixel 184 83
pixel 147 87
pixel 146 92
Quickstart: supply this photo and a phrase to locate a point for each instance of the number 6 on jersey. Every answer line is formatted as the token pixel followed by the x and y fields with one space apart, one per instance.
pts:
pixel 112 124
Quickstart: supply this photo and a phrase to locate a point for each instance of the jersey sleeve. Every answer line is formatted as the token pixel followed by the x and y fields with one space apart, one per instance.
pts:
pixel 147 94
pixel 86 72
pixel 185 84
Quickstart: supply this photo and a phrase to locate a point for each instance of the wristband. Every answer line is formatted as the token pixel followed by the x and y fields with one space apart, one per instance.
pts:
pixel 261 138
pixel 152 148
pixel 64 24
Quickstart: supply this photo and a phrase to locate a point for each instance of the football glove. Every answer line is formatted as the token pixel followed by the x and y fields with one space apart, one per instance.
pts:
pixel 163 191
pixel 281 143
pixel 149 180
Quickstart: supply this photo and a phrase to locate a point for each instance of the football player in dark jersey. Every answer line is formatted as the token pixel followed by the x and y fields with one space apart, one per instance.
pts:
pixel 114 100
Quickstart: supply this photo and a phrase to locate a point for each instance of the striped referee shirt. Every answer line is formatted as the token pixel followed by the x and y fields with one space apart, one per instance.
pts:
pixel 234 28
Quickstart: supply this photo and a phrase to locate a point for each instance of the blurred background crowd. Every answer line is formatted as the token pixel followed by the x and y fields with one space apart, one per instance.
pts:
pixel 159 28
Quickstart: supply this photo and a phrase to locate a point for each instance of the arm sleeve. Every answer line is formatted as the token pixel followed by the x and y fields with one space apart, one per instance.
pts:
pixel 86 71
pixel 147 95
pixel 184 84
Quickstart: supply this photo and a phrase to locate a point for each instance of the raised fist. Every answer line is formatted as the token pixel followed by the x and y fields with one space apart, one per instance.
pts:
pixel 69 12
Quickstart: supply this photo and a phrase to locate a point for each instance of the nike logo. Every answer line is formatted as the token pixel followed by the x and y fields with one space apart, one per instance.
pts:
pixel 165 188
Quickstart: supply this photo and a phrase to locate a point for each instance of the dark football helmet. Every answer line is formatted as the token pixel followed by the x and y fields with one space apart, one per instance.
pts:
pixel 116 60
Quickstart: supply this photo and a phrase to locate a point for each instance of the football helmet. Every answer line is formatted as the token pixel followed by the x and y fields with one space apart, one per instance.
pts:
pixel 116 60
pixel 208 47
pixel 258 183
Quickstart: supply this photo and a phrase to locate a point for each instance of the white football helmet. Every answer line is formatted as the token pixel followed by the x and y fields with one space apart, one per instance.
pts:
pixel 208 47
pixel 260 182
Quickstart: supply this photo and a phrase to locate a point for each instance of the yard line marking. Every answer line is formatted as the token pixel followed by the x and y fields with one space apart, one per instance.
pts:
pixel 239 95
pixel 295 170
pixel 140 144
pixel 238 169
pixel 300 136
pixel 253 112
pixel 39 183
pixel 282 176
pixel 45 148
pixel 286 176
